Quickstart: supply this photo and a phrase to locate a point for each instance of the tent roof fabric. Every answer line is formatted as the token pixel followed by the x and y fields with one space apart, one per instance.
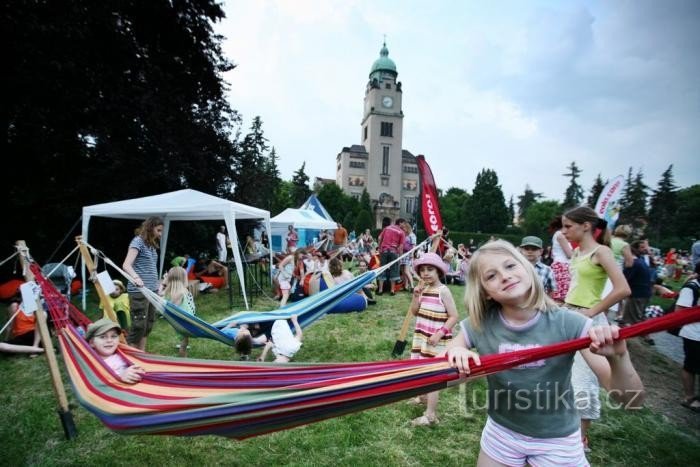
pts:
pixel 314 203
pixel 176 205
pixel 302 219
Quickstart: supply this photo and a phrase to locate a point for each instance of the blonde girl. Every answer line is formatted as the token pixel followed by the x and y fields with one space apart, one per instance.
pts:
pixel 531 416
pixel 592 263
pixel 176 292
pixel 436 314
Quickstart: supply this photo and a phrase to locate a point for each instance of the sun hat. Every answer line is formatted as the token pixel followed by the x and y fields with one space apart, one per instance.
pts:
pixel 531 240
pixel 119 284
pixel 432 259
pixel 100 327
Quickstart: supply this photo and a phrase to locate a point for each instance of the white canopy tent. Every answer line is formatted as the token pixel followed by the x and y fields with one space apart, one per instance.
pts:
pixel 300 219
pixel 182 205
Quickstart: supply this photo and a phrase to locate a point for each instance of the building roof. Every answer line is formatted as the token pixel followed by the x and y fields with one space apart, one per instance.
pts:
pixel 383 63
pixel 406 156
pixel 355 148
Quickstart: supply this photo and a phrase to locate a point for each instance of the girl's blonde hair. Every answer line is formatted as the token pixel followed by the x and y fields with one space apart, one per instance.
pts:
pixel 176 284
pixel 476 301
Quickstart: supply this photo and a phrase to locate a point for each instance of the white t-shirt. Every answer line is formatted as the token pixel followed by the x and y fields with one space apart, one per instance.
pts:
pixel 685 299
pixel 283 341
pixel 558 254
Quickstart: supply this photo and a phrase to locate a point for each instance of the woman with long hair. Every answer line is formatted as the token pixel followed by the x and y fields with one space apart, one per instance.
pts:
pixel 592 263
pixel 141 263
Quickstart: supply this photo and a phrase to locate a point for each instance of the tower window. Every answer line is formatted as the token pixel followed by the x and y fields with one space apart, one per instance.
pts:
pixel 385 160
pixel 365 133
pixel 387 85
pixel 387 129
pixel 411 205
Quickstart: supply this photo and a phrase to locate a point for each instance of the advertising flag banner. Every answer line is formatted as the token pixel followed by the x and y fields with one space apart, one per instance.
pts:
pixel 608 205
pixel 430 208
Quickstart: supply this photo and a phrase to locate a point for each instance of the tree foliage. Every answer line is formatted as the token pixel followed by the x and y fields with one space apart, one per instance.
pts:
pixel 300 186
pixel 110 100
pixel 538 216
pixel 255 167
pixel 663 207
pixel 452 208
pixel 596 190
pixel 574 192
pixel 527 199
pixel 686 219
pixel 486 210
pixel 634 200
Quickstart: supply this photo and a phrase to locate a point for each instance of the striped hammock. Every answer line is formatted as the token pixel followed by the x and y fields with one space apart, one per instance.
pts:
pixel 189 397
pixel 308 310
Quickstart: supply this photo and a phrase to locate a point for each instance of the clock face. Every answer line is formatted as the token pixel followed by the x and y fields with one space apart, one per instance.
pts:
pixel 387 101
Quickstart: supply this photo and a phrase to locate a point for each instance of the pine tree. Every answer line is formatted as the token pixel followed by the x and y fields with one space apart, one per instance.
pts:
pixel 250 169
pixel 527 199
pixel 635 206
pixel 663 206
pixel 511 211
pixel 300 186
pixel 574 193
pixel 596 190
pixel 486 210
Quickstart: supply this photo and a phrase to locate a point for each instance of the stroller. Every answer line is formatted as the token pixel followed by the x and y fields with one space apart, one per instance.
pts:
pixel 61 277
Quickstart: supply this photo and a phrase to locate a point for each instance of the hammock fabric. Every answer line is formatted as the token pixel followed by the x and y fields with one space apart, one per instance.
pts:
pixel 189 397
pixel 307 310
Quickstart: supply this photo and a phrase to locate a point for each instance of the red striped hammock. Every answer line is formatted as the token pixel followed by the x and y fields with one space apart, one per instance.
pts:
pixel 191 397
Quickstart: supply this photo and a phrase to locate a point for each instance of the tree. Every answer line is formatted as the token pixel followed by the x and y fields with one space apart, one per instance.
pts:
pixel 251 167
pixel 300 186
pixel 452 207
pixel 663 208
pixel 538 216
pixel 687 221
pixel 337 203
pixel 127 95
pixel 527 199
pixel 283 198
pixel 574 193
pixel 635 204
pixel 511 210
pixel 486 210
pixel 364 221
pixel 596 190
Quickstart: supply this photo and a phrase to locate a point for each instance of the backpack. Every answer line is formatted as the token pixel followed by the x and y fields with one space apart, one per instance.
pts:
pixel 695 287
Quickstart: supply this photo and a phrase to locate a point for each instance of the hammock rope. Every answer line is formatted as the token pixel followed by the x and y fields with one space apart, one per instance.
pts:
pixel 189 397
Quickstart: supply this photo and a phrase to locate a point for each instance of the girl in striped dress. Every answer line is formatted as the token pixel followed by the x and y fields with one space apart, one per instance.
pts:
pixel 436 314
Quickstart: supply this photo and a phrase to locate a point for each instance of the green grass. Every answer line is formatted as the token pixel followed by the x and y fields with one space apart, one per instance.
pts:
pixel 31 434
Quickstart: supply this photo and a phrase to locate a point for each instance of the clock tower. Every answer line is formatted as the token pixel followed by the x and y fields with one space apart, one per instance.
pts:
pixel 380 164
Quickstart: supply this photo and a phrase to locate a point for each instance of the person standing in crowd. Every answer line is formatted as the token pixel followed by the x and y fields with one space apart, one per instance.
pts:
pixel 591 265
pixel 221 244
pixel 142 265
pixel 292 239
pixel 531 248
pixel 638 277
pixel 340 237
pixel 691 342
pixel 561 253
pixel 391 240
pixel 695 253
pixel 406 261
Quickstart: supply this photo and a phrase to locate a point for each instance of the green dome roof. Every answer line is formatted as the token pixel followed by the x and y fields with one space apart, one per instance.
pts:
pixel 383 63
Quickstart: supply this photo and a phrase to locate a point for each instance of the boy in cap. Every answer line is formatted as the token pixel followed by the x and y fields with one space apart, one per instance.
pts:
pixel 103 336
pixel 119 301
pixel 531 248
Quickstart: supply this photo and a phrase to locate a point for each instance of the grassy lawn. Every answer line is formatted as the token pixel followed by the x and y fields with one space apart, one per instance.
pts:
pixel 31 434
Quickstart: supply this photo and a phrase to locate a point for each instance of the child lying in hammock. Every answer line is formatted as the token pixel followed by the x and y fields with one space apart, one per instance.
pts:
pixel 284 344
pixel 103 336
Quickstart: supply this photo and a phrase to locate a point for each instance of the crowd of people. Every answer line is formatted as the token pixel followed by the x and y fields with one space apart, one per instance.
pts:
pixel 518 297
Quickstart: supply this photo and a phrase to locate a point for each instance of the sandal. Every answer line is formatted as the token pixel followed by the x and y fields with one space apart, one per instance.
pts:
pixel 691 404
pixel 424 420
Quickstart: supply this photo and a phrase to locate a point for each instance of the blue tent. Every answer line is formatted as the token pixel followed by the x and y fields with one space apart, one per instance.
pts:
pixel 314 204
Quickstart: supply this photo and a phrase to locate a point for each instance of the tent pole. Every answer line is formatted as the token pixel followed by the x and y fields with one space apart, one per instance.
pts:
pixel 63 408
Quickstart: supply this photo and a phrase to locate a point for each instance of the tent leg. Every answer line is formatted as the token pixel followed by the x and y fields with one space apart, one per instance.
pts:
pixel 68 424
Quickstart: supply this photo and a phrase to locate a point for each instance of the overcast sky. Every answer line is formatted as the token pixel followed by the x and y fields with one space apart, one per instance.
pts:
pixel 520 87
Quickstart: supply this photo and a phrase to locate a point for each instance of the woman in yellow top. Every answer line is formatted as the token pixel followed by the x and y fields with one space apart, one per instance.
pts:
pixel 591 265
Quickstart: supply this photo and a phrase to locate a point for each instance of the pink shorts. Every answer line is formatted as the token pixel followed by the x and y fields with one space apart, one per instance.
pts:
pixel 511 448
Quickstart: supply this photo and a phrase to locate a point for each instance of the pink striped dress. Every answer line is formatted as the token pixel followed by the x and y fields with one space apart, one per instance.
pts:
pixel 432 315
